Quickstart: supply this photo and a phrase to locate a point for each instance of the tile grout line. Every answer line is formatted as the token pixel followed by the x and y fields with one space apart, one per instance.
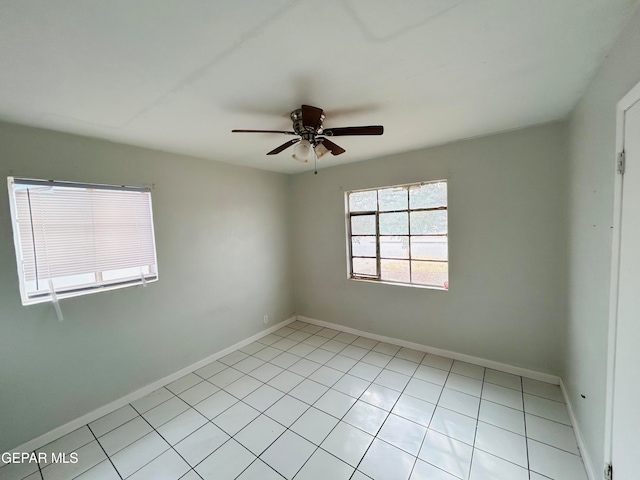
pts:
pixel 105 452
pixel 526 438
pixel 430 420
pixel 345 414
pixel 394 404
pixel 429 427
pixel 475 436
pixel 160 435
pixel 80 446
pixel 113 429
pixel 39 468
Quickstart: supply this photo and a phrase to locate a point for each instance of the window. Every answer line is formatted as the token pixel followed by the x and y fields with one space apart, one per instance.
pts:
pixel 74 239
pixel 399 234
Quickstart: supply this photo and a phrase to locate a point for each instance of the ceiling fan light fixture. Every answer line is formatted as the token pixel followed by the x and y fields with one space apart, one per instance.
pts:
pixel 302 151
pixel 320 150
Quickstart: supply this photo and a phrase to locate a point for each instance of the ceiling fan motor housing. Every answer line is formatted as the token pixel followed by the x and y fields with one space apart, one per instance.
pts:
pixel 305 131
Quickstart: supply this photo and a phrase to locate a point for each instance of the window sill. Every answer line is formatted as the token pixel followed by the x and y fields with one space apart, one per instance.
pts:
pixel 399 284
pixel 87 291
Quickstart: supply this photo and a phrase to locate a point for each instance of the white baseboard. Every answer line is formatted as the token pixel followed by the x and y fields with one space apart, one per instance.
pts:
pixel 56 433
pixel 483 362
pixel 584 453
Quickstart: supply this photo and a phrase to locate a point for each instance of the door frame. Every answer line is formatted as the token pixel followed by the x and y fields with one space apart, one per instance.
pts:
pixel 628 101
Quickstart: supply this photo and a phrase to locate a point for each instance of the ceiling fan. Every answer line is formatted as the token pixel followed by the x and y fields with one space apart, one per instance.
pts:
pixel 308 125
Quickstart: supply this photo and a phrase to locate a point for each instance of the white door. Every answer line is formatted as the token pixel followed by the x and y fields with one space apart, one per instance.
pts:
pixel 625 454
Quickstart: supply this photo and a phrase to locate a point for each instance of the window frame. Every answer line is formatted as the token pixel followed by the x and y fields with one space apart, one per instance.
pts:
pixel 378 258
pixel 98 285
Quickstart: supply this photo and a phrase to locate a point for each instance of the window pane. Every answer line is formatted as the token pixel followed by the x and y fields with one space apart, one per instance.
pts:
pixel 364 266
pixel 429 248
pixel 394 223
pixel 35 287
pixel 363 201
pixel 363 225
pixel 395 270
pixel 429 195
pixel 394 247
pixel 363 246
pixel 393 199
pixel 428 222
pixel 125 273
pixel 430 273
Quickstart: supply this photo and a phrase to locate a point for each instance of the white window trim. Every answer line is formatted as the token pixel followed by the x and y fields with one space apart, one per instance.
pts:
pixel 153 276
pixel 378 280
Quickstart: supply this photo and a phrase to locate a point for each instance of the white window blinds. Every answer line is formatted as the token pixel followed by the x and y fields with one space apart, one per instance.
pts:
pixel 78 238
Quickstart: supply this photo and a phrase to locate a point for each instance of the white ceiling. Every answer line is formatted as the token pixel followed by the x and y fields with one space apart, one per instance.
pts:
pixel 178 76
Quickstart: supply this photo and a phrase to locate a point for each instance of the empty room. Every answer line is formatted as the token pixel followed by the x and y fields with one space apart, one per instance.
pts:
pixel 342 240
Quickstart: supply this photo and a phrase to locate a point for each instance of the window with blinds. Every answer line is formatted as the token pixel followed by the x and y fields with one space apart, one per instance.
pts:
pixel 399 234
pixel 74 239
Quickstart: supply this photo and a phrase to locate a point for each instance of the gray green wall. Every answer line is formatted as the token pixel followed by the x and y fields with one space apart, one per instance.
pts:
pixel 592 133
pixel 507 220
pixel 222 245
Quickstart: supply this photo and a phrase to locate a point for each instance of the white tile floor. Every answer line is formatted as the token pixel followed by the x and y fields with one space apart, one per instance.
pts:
pixel 309 403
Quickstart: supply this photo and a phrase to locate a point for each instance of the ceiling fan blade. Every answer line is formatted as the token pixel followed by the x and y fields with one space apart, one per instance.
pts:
pixel 284 146
pixel 343 131
pixel 332 147
pixel 264 131
pixel 311 116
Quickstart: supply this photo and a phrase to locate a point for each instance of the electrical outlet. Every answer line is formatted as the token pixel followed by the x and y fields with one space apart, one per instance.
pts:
pixel 266 319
